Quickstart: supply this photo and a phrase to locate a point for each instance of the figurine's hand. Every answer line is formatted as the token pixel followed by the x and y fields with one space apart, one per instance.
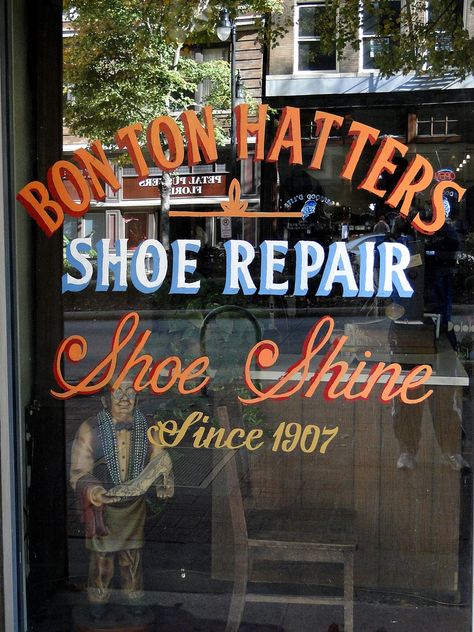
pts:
pixel 98 497
pixel 165 489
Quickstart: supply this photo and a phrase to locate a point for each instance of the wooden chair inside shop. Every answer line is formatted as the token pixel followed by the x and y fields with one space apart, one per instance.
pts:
pixel 273 536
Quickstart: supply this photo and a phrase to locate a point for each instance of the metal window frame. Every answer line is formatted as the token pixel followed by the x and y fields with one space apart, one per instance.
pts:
pixel 14 593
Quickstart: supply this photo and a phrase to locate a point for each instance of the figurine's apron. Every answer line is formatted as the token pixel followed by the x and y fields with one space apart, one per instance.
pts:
pixel 125 521
pixel 125 524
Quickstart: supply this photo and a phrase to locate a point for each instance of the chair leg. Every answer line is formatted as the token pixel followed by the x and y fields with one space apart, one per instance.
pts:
pixel 349 591
pixel 239 590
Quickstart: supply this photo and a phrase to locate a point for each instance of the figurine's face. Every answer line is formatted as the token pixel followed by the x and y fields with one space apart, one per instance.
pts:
pixel 122 402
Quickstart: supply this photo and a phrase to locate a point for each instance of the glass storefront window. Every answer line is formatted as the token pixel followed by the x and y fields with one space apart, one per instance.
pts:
pixel 365 494
pixel 263 385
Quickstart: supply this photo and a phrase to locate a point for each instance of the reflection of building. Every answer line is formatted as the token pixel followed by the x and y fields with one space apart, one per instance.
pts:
pixel 434 117
pixel 423 515
pixel 134 212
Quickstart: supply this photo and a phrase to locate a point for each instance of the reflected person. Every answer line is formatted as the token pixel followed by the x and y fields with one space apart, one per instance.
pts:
pixel 381 226
pixel 111 452
pixel 444 246
pixel 445 406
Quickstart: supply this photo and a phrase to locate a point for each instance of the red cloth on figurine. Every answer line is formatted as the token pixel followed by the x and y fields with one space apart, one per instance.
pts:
pixel 91 516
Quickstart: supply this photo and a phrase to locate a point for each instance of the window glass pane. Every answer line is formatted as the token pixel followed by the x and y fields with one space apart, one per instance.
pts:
pixel 112 227
pixel 452 127
pixel 211 54
pixel 369 22
pixel 93 226
pixel 389 11
pixel 309 19
pixel 439 128
pixel 70 228
pixel 136 228
pixel 371 47
pixel 311 57
pixel 297 432
pixel 368 52
pixel 424 128
pixel 203 169
pixel 442 122
pixel 436 10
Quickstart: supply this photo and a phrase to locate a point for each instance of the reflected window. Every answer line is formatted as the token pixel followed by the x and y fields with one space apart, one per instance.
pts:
pixel 214 53
pixel 70 228
pixel 435 14
pixel 93 225
pixel 135 228
pixel 309 51
pixel 372 42
pixel 436 123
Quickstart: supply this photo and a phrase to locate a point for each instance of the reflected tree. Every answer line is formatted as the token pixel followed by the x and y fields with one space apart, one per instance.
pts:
pixel 132 60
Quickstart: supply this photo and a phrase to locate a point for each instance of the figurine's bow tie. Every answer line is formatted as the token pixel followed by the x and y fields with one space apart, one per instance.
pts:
pixel 124 425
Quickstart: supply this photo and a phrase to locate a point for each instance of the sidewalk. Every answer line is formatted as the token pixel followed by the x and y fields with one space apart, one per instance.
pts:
pixel 191 612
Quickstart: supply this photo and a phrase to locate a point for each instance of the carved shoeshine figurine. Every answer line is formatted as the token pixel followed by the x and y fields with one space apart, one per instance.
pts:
pixel 112 466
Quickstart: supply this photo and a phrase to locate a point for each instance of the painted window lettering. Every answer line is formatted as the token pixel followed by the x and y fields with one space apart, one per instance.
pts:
pixel 48 204
pixel 311 260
